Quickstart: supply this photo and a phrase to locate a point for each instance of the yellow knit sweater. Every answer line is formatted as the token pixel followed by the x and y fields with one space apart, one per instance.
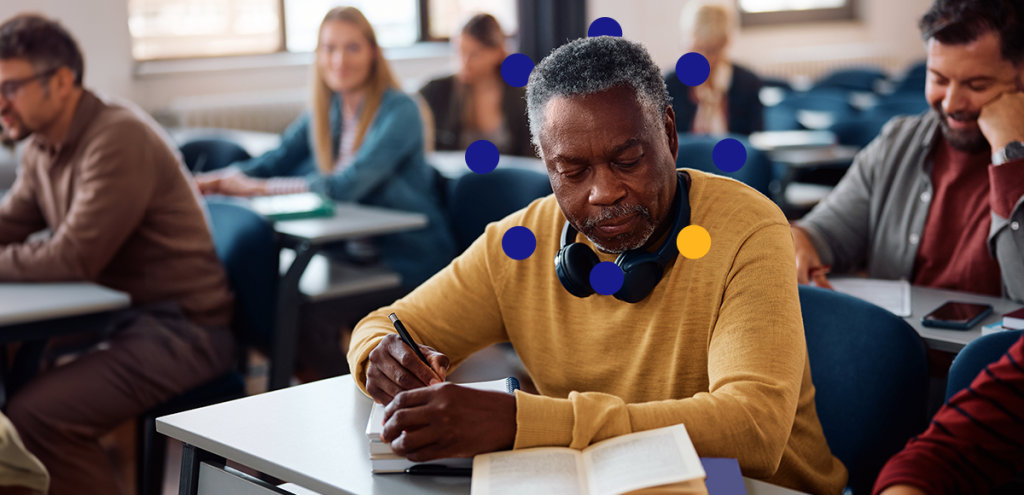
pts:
pixel 718 345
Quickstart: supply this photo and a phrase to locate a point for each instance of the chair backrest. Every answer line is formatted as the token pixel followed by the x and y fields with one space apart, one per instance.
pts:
pixel 974 357
pixel 900 104
pixel 791 113
pixel 695 151
pixel 247 247
pixel 914 80
pixel 871 378
pixel 863 79
pixel 206 154
pixel 858 131
pixel 475 200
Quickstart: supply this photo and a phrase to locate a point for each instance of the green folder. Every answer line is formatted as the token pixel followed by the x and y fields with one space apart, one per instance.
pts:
pixel 293 206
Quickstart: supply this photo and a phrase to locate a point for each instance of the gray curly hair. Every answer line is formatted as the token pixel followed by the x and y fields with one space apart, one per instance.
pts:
pixel 592 65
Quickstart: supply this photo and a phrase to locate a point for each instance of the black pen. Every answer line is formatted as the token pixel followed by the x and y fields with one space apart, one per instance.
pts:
pixel 402 332
pixel 437 470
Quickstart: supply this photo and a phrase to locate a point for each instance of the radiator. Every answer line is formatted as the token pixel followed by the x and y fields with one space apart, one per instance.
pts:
pixel 263 111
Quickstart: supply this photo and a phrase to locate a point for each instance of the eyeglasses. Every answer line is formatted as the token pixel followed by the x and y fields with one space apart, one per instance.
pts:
pixel 9 89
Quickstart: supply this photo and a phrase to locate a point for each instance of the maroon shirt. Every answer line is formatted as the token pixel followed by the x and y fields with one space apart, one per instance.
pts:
pixel 975 442
pixel 966 189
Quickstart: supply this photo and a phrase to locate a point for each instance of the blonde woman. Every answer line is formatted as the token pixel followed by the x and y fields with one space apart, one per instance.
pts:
pixel 728 101
pixel 363 141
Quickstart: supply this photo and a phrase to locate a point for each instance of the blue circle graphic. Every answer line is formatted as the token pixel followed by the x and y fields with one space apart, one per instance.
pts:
pixel 729 155
pixel 606 278
pixel 692 69
pixel 515 70
pixel 482 156
pixel 604 26
pixel 518 243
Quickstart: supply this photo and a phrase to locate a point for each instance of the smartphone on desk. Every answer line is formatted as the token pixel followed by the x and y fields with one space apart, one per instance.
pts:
pixel 957 315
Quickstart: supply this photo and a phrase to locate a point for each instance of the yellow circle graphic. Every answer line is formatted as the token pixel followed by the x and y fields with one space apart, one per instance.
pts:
pixel 693 242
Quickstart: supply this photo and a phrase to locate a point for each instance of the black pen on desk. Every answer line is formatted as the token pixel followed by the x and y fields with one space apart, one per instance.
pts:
pixel 404 334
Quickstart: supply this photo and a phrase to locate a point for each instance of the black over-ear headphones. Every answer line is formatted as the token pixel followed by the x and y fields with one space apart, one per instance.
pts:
pixel 642 270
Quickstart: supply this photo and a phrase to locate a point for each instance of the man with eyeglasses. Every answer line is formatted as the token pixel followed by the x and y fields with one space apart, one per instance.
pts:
pixel 124 214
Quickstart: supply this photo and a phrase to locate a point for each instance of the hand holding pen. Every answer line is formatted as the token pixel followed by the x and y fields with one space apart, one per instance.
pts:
pixel 398 364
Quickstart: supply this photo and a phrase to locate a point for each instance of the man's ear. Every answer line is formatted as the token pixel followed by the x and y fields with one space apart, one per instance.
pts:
pixel 62 82
pixel 670 131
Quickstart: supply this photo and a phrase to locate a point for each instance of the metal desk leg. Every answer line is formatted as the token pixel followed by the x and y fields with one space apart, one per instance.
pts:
pixel 191 458
pixel 289 299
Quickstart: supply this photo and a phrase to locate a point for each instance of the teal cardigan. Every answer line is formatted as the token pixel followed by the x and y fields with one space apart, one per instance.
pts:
pixel 389 171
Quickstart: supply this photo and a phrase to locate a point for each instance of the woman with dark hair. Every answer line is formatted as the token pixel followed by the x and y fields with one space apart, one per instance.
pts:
pixel 475 103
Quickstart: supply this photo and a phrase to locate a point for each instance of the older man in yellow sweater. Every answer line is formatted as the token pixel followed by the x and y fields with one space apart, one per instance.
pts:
pixel 717 345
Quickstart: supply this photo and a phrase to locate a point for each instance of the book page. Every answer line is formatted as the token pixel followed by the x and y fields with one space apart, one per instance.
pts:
pixel 641 460
pixel 543 471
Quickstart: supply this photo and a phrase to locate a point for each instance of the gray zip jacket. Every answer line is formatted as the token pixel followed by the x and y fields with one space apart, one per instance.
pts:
pixel 874 218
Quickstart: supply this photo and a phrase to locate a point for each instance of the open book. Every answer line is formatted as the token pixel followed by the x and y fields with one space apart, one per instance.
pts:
pixel 618 465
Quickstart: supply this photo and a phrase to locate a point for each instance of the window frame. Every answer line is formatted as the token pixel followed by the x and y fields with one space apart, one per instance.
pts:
pixel 848 12
pixel 282 42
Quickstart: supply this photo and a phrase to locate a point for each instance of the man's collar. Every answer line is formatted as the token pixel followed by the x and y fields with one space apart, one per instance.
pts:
pixel 88 107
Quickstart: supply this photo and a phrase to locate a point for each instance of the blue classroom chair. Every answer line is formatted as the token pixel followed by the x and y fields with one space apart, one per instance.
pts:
pixel 858 131
pixel 899 104
pixel 213 153
pixel 871 378
pixel 247 247
pixel 863 79
pixel 475 200
pixel 976 356
pixel 914 80
pixel 695 151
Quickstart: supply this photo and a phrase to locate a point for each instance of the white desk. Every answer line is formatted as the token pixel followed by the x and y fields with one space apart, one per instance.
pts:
pixel 924 300
pixel 29 303
pixel 351 221
pixel 452 164
pixel 32 313
pixel 312 436
pixel 307 237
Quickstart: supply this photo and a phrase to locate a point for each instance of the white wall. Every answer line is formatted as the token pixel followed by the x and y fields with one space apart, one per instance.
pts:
pixel 889 25
pixel 101 27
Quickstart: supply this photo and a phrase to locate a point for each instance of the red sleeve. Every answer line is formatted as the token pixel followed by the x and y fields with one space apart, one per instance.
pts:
pixel 975 442
pixel 1006 186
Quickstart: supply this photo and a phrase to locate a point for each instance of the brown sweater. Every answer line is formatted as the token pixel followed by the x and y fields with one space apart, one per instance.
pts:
pixel 718 345
pixel 122 211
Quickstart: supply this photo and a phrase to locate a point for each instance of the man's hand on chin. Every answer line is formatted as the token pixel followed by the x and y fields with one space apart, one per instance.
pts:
pixel 1002 120
pixel 447 420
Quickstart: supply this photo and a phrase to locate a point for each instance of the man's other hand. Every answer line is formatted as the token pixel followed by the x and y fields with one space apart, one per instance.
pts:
pixel 447 420
pixel 808 263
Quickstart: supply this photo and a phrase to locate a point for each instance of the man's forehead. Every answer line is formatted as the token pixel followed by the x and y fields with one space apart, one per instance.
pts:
pixel 983 54
pixel 11 68
pixel 614 108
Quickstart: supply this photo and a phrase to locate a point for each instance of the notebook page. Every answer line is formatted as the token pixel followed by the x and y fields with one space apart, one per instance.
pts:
pixel 641 460
pixel 375 424
pixel 892 295
pixel 542 471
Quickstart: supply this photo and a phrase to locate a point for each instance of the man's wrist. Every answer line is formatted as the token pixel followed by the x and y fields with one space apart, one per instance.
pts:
pixel 1010 151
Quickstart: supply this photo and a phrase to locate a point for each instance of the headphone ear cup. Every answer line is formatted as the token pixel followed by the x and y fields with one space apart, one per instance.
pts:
pixel 638 280
pixel 573 265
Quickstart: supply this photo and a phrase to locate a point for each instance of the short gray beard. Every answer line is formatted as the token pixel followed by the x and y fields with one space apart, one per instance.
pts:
pixel 620 211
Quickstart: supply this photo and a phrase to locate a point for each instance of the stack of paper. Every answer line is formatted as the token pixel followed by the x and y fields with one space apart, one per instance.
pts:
pixel 383 460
